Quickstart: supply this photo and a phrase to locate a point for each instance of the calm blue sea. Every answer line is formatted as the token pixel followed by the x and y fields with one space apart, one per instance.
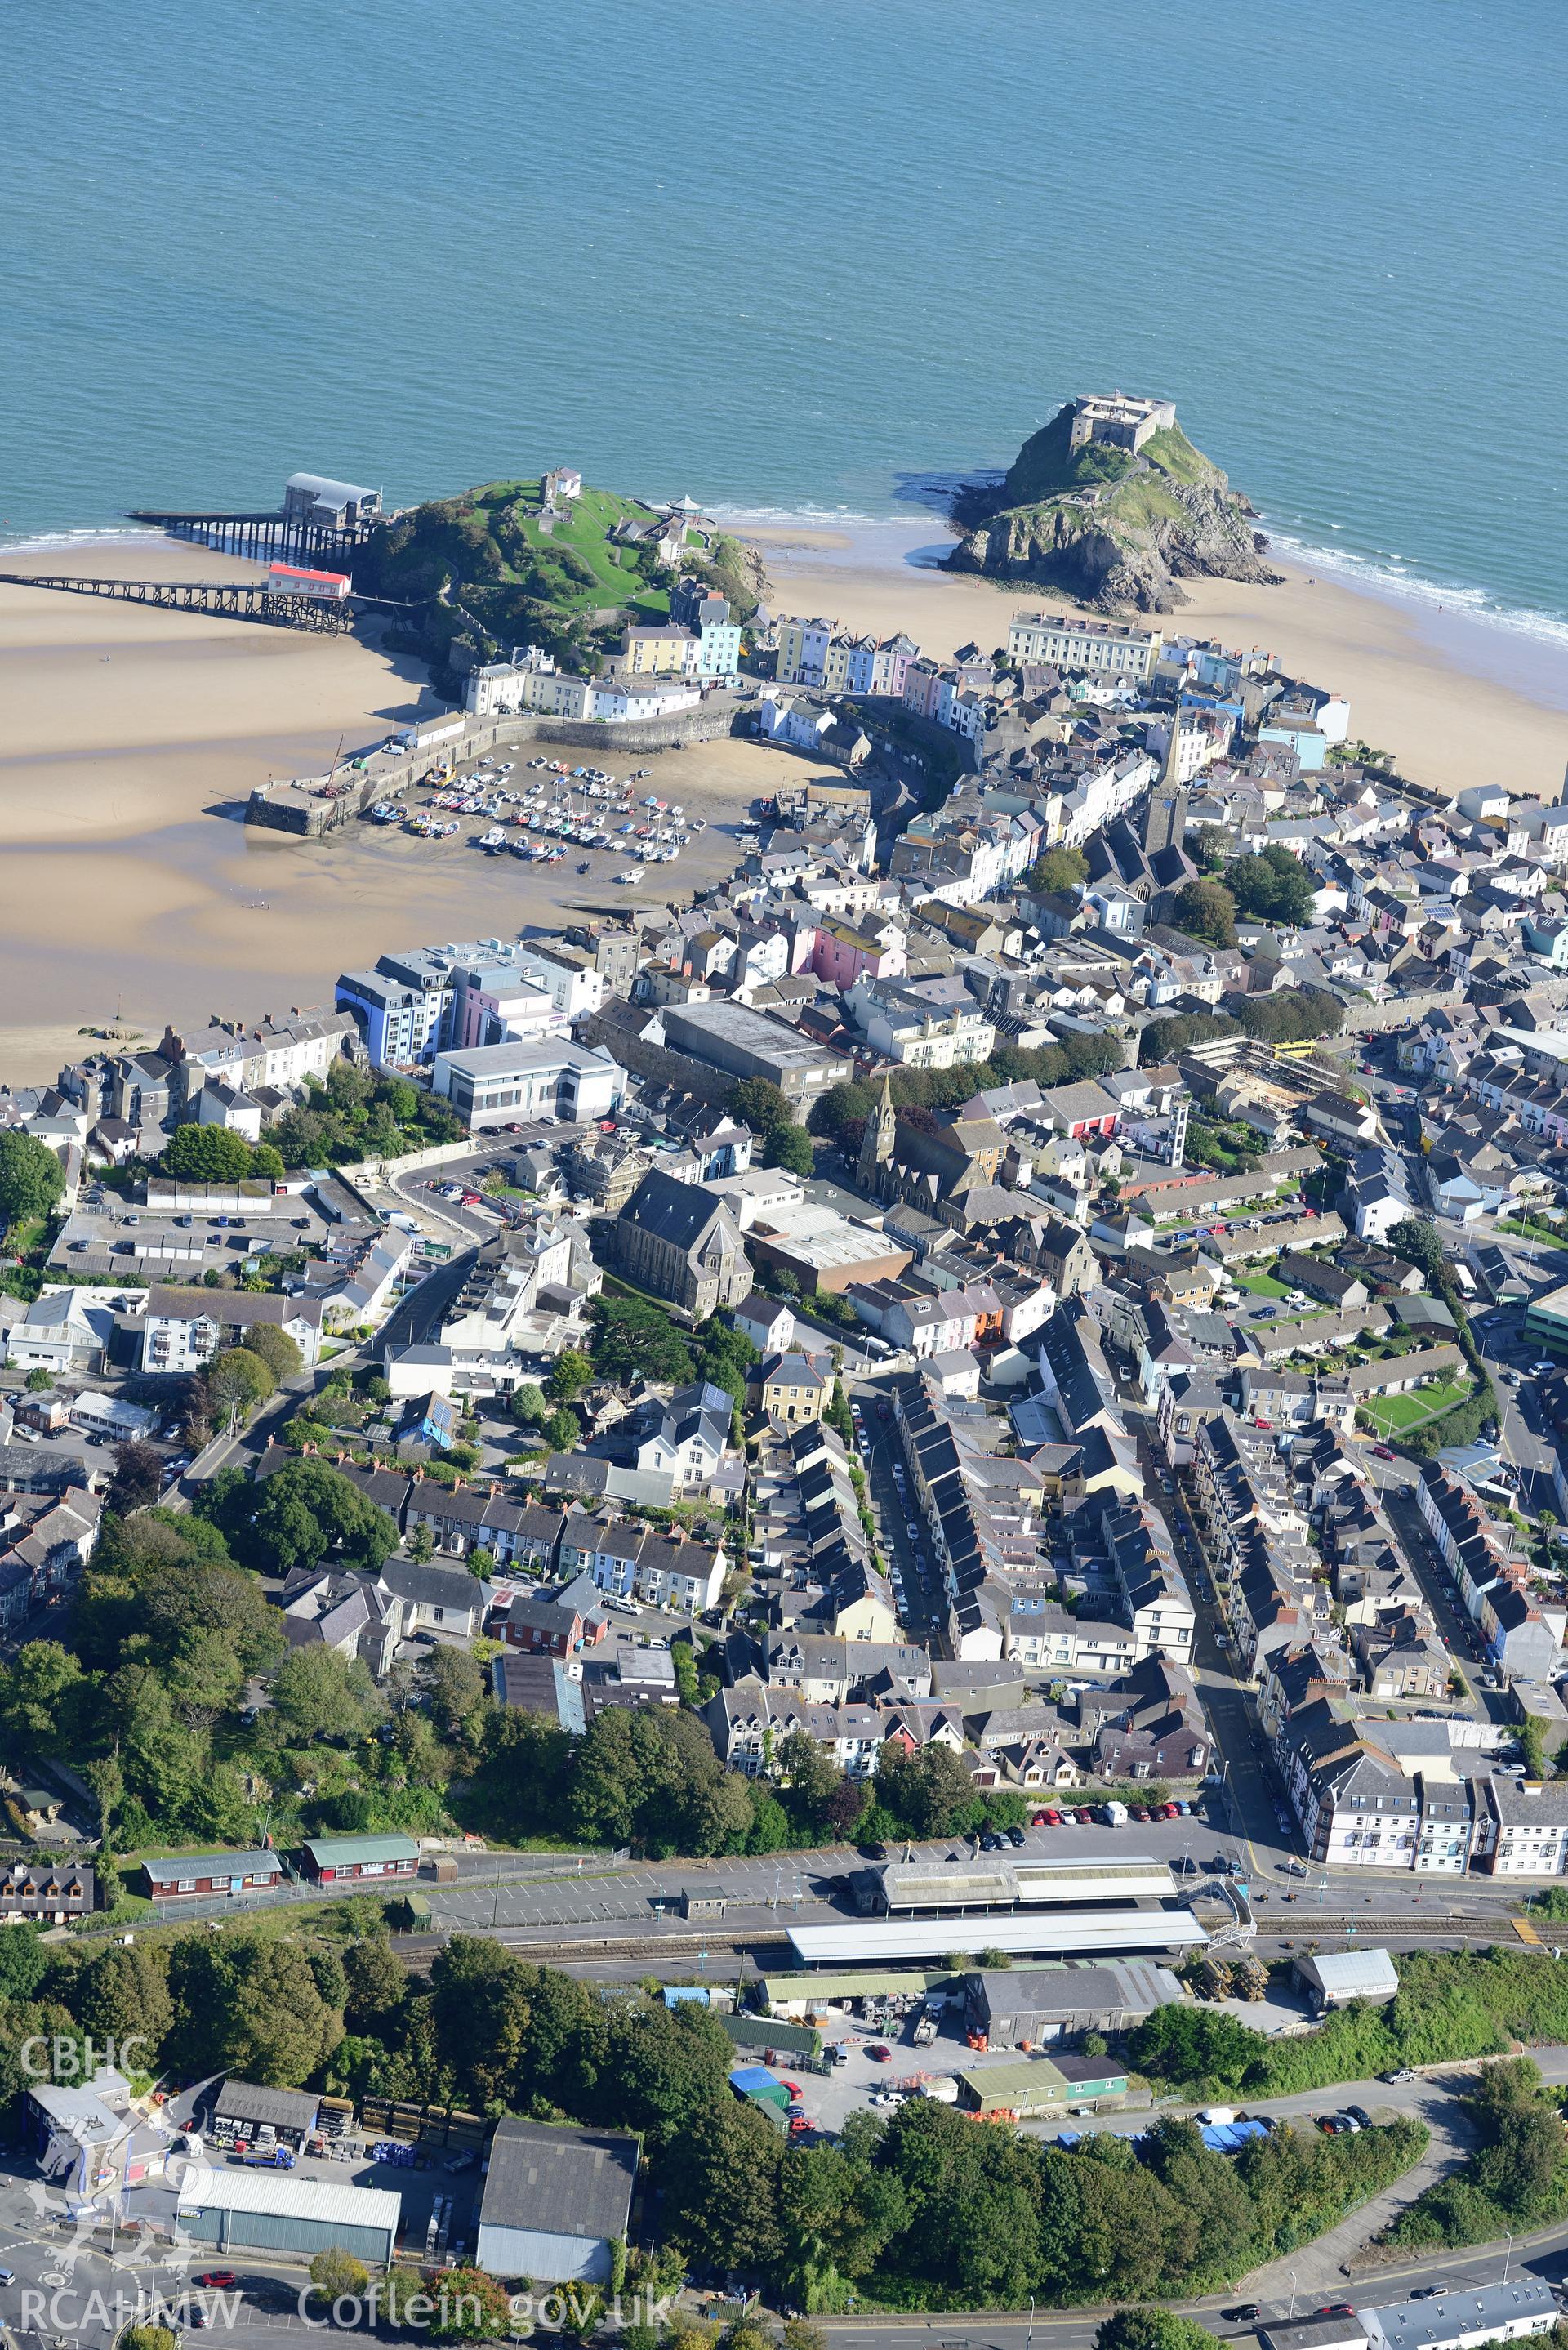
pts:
pixel 797 255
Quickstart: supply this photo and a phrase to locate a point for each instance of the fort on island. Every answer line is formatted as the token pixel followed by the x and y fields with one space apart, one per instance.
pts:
pixel 1118 417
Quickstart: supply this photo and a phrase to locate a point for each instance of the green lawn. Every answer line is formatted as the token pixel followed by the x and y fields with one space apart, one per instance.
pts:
pixel 586 531
pixel 1262 1284
pixel 1392 1414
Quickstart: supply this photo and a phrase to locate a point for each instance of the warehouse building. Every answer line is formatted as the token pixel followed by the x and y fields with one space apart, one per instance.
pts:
pixel 1041 2084
pixel 1014 2006
pixel 1335 1978
pixel 555 2200
pixel 268 2210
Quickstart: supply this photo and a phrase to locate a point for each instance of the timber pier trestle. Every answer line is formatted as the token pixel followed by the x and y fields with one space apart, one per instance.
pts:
pixel 228 599
pixel 263 537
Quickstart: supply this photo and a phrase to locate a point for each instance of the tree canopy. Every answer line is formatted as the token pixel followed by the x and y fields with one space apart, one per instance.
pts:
pixel 634 1339
pixel 1206 910
pixel 1274 887
pixel 208 1154
pixel 31 1178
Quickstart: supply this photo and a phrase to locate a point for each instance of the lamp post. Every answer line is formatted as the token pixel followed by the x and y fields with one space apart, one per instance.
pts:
pixel 1291 2274
pixel 1029 2337
pixel 1508 2255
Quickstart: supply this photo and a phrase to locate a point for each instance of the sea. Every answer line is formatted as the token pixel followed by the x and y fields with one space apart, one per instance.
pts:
pixel 801 259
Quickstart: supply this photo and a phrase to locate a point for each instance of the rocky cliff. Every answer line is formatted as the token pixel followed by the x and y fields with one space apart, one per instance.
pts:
pixel 1109 528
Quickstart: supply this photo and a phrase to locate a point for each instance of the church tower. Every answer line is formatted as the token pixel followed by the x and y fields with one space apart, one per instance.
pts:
pixel 877 1143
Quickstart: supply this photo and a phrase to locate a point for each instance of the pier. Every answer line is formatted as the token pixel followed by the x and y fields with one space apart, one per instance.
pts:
pixel 228 599
pixel 264 537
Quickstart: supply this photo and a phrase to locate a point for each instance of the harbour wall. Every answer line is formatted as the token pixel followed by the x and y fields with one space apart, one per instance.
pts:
pixel 299 808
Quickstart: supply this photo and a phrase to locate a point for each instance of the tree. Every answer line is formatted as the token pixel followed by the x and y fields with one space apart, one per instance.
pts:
pixel 1206 910
pixel 311 1508
pixel 789 1147
pixel 40 1381
pixel 125 1993
pixel 1152 2329
pixel 377 1985
pixel 23 1961
pixel 758 1104
pixel 1058 869
pixel 810 1770
pixel 469 2307
pixel 927 1791
pixel 336 2275
pixel 569 1375
pixel 316 1693
pixel 1273 888
pixel 138 1477
pixel 277 1350
pixel 207 1154
pixel 1194 2044
pixel 266 1163
pixel 43 1698
pixel 455 1686
pixel 237 1381
pixel 528 1404
pixel 563 1432
pixel 633 1339
pixel 31 1178
pixel 1419 1244
pixel 838 1114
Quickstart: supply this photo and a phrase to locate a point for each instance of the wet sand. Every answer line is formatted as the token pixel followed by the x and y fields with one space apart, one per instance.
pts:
pixel 1457 700
pixel 131 892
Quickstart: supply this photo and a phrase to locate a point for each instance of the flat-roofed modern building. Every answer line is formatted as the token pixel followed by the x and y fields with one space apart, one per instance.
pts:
pixel 555 2200
pixel 501 1085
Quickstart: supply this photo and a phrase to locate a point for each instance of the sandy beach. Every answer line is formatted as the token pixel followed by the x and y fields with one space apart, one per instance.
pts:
pixel 131 892
pixel 1457 700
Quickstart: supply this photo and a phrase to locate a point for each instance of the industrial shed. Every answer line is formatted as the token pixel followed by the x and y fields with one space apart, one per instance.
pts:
pixel 242 2110
pixel 267 2211
pixel 555 2200
pixel 1041 2084
pixel 1336 1977
pixel 1013 2004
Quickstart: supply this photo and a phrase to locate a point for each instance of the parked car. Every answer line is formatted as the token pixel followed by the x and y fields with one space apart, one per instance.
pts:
pixel 1016 1835
pixel 880 2054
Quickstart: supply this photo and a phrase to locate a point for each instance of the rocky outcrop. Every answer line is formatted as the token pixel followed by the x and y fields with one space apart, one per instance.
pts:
pixel 1108 528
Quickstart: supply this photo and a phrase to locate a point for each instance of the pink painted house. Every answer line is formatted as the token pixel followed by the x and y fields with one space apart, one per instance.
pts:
pixel 842 954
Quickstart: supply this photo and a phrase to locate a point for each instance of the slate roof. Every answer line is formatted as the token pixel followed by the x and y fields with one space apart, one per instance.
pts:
pixel 559 2182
